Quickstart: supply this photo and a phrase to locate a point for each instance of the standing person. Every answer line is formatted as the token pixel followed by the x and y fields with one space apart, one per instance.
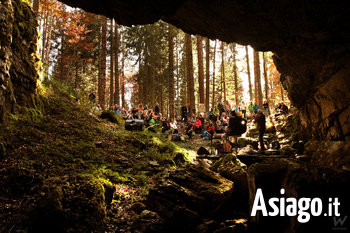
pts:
pixel 156 109
pixel 201 118
pixel 266 108
pixel 216 110
pixel 183 113
pixel 261 126
pixel 220 107
pixel 227 107
pixel 243 109
pixel 251 109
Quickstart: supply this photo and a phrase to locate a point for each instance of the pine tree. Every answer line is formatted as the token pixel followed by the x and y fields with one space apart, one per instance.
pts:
pixel 111 54
pixel 257 77
pixel 36 4
pixel 249 76
pixel 266 82
pixel 235 75
pixel 207 79
pixel 223 81
pixel 200 69
pixel 213 94
pixel 171 71
pixel 189 66
pixel 102 72
pixel 116 64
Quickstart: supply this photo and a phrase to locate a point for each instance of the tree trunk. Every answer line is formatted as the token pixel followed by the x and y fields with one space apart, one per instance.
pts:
pixel 36 6
pixel 257 77
pixel 223 81
pixel 122 78
pixel 102 73
pixel 48 39
pixel 111 80
pixel 116 65
pixel 266 82
pixel 207 76
pixel 200 69
pixel 45 16
pixel 171 71
pixel 235 76
pixel 213 94
pixel 190 79
pixel 249 76
pixel 178 75
pixel 185 82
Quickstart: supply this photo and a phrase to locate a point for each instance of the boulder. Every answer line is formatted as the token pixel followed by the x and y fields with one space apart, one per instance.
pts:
pixel 188 195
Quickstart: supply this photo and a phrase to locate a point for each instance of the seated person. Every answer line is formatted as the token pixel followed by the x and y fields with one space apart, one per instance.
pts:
pixel 201 118
pixel 198 126
pixel 208 134
pixel 134 113
pixel 165 125
pixel 219 128
pixel 173 126
pixel 283 108
pixel 189 129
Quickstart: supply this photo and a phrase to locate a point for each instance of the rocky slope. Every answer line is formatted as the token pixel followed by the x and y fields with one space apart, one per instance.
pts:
pixel 63 169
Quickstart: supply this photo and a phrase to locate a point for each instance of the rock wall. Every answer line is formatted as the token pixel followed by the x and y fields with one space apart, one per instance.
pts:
pixel 299 180
pixel 18 59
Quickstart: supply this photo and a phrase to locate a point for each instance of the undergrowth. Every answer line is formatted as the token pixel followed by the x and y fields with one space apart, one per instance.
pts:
pixel 64 158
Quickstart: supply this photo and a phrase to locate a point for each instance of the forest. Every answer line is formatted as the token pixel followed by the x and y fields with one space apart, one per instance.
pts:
pixel 174 116
pixel 151 64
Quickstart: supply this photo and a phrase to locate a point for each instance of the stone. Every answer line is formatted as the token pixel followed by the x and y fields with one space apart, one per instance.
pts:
pixel 147 214
pixel 138 207
pixel 248 150
pixel 153 163
pixel 109 193
pixel 329 153
pixel 189 194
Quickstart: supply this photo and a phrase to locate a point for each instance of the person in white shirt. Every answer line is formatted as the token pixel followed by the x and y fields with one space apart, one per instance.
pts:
pixel 243 109
pixel 173 125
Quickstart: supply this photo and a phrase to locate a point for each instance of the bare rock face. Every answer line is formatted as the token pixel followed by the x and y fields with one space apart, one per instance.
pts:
pixel 310 41
pixel 299 180
pixel 18 71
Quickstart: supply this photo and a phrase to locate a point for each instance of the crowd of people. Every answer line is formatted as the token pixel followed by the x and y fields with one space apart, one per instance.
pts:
pixel 217 121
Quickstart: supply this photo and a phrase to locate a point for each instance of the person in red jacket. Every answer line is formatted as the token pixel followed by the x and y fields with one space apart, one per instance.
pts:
pixel 209 133
pixel 198 126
